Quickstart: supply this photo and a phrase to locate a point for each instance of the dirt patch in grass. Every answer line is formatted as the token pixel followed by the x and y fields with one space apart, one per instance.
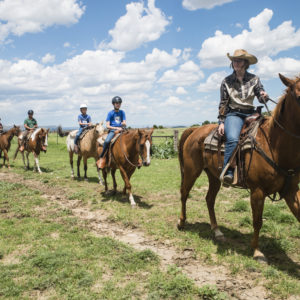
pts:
pixel 99 223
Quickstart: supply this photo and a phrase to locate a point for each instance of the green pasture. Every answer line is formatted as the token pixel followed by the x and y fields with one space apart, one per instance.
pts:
pixel 76 264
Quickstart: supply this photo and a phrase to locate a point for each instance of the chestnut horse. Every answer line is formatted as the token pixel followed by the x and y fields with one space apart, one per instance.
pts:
pixel 88 148
pixel 38 141
pixel 5 141
pixel 278 137
pixel 125 154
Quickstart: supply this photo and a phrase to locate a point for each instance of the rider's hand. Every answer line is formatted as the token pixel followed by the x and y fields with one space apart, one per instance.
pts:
pixel 221 129
pixel 264 95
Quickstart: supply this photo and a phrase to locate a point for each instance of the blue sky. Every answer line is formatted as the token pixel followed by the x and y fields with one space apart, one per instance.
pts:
pixel 165 58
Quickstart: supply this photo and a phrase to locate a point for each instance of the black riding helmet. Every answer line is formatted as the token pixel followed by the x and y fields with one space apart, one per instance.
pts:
pixel 116 99
pixel 30 112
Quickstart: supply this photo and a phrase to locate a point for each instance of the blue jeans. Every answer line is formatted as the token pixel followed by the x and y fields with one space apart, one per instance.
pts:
pixel 78 135
pixel 233 125
pixel 107 141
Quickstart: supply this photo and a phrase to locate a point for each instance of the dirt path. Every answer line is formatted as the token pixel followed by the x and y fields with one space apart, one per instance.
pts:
pixel 239 287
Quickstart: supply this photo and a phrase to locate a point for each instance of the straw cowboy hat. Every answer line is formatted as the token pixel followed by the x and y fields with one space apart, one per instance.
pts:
pixel 243 54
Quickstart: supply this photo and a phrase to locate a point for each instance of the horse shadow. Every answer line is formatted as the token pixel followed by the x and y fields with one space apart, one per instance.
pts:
pixel 240 243
pixel 120 197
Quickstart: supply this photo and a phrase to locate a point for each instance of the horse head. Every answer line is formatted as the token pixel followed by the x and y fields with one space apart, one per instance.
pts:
pixel 99 128
pixel 145 143
pixel 43 138
pixel 17 130
pixel 293 86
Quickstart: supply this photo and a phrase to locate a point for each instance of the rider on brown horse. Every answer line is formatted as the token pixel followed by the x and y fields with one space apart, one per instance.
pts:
pixel 84 120
pixel 238 91
pixel 30 124
pixel 115 122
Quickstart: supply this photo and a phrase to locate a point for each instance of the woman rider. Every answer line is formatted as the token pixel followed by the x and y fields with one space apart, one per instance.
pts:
pixel 115 122
pixel 238 91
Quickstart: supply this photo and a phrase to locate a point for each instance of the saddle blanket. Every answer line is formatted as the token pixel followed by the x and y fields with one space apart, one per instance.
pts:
pixel 102 138
pixel 212 140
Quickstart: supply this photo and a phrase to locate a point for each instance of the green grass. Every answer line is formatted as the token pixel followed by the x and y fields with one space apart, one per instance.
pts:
pixel 156 191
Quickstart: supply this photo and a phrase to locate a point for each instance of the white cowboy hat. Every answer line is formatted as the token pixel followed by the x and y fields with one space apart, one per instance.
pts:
pixel 243 54
pixel 83 105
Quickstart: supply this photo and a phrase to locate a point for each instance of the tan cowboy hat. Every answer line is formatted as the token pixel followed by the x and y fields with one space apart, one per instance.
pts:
pixel 243 54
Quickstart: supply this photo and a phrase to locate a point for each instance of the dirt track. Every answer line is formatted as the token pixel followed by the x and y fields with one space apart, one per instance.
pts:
pixel 239 287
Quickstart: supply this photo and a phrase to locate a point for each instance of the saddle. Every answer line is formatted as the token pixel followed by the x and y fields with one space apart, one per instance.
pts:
pixel 108 153
pixel 216 143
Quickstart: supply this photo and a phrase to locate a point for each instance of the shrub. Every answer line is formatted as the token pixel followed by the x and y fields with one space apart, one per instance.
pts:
pixel 164 150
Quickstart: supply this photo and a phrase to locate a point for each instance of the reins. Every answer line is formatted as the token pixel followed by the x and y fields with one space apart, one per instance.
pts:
pixel 127 159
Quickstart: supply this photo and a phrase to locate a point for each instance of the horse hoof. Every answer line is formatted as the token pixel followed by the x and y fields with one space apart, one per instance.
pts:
pixel 86 180
pixel 180 225
pixel 133 205
pixel 259 256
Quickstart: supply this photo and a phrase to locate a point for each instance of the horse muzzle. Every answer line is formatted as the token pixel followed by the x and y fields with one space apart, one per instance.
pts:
pixel 44 148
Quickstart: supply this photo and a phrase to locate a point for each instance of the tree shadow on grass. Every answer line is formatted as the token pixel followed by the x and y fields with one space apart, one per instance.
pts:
pixel 240 243
pixel 118 196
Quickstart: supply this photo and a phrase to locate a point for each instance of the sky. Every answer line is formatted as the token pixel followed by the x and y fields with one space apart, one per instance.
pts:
pixel 165 58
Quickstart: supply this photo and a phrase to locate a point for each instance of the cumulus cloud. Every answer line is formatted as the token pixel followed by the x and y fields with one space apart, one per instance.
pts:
pixel 18 17
pixel 259 40
pixel 181 90
pixel 203 4
pixel 213 82
pixel 138 26
pixel 48 58
pixel 172 100
pixel 268 68
pixel 187 74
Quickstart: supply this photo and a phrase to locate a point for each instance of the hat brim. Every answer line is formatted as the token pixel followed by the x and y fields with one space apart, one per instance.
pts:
pixel 251 58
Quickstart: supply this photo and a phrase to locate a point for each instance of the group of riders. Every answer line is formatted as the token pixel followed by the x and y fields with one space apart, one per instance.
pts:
pixel 237 94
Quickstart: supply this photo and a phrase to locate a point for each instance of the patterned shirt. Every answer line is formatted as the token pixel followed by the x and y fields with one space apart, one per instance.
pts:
pixel 237 95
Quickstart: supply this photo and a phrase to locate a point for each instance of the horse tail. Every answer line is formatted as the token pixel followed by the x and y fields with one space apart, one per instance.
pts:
pixel 182 140
pixel 62 133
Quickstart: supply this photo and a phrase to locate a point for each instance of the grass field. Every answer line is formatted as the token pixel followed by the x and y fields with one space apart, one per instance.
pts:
pixel 47 251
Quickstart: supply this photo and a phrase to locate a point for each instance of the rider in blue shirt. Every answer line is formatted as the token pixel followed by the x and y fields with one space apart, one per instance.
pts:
pixel 84 120
pixel 115 122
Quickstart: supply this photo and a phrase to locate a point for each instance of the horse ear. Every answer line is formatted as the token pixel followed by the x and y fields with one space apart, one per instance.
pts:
pixel 140 132
pixel 15 126
pixel 101 123
pixel 48 130
pixel 286 81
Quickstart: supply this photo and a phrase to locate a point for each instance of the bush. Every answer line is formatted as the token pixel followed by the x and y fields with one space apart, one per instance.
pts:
pixel 164 150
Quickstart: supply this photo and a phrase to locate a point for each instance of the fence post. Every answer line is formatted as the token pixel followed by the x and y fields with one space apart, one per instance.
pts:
pixel 175 143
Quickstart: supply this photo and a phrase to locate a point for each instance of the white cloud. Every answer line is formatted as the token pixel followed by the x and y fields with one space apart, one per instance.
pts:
pixel 186 53
pixel 187 74
pixel 18 17
pixel 48 58
pixel 181 91
pixel 213 82
pixel 203 4
pixel 260 40
pixel 138 26
pixel 67 45
pixel 268 68
pixel 172 100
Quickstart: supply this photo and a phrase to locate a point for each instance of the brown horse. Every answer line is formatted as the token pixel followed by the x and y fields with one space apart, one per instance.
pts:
pixel 5 141
pixel 88 148
pixel 38 141
pixel 278 137
pixel 125 154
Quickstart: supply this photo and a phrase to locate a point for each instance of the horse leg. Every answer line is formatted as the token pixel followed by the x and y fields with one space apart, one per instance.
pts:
pixel 257 204
pixel 104 174
pixel 213 189
pixel 71 163
pixel 78 165
pixel 127 185
pixel 5 157
pixel 293 202
pixel 101 182
pixel 36 160
pixel 27 157
pixel 23 158
pixel 188 179
pixel 113 175
pixel 85 167
pixel 129 174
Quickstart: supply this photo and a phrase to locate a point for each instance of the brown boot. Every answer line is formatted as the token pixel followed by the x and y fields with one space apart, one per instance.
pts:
pixel 76 149
pixel 101 163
